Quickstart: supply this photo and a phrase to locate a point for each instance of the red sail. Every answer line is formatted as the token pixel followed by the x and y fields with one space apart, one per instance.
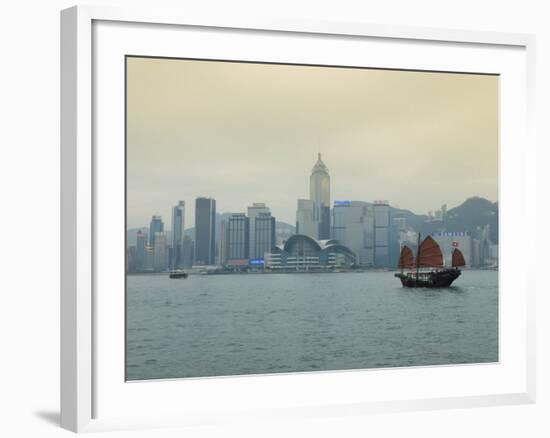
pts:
pixel 406 258
pixel 429 254
pixel 458 259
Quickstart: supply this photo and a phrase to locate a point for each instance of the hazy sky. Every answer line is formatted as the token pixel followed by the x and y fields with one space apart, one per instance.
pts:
pixel 243 133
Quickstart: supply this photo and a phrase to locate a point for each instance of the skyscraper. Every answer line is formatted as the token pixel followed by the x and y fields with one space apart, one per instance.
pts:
pixel 160 253
pixel 305 221
pixel 187 250
pixel 253 211
pixel 319 193
pixel 381 233
pixel 178 225
pixel 236 236
pixel 141 252
pixel 205 231
pixel 264 234
pixel 156 226
pixel 353 226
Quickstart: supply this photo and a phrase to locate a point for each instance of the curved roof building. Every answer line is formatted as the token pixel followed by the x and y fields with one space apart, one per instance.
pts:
pixel 302 252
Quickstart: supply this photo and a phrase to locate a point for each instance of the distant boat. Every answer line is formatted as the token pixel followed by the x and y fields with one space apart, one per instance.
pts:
pixel 178 274
pixel 428 269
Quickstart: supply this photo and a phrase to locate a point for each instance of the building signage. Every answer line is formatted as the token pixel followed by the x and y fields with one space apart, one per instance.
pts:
pixel 237 262
pixel 342 203
pixel 256 262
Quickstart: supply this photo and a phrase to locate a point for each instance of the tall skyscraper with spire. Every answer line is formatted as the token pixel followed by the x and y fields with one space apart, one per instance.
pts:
pixel 319 193
pixel 313 214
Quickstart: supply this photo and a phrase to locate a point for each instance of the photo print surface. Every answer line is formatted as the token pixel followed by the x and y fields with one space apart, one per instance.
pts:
pixel 296 218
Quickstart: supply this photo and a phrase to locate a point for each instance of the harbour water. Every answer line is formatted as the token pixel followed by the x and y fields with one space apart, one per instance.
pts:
pixel 219 325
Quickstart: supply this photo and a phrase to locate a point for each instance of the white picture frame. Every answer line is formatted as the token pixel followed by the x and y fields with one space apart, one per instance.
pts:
pixel 85 374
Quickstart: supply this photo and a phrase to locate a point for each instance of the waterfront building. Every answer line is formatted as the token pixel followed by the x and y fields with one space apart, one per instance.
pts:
pixel 381 211
pixel 187 250
pixel 400 224
pixel 160 253
pixel 178 226
pixel 131 265
pixel 205 231
pixel 264 235
pixel 156 226
pixel 319 193
pixel 149 259
pixel 223 252
pixel 235 239
pixel 303 253
pixel 141 244
pixel 348 225
pixel 353 226
pixel 253 211
pixel 450 240
pixel 475 261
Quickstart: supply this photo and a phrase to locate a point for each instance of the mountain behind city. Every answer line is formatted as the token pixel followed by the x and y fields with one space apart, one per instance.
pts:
pixel 467 217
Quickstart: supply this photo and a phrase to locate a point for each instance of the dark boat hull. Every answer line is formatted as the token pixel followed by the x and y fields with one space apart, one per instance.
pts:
pixel 179 275
pixel 434 279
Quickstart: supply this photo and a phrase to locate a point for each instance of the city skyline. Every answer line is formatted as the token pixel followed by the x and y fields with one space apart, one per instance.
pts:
pixel 227 143
pixel 190 218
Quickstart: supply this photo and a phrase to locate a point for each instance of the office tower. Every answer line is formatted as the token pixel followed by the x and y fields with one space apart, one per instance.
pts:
pixel 352 226
pixel 187 250
pixel 319 193
pixel 367 256
pixel 205 231
pixel 156 226
pixel 381 233
pixel 305 222
pixel 178 225
pixel 235 239
pixel 149 258
pixel 400 224
pixel 223 253
pixel 450 240
pixel 141 244
pixel 324 224
pixel 264 238
pixel 131 259
pixel 160 253
pixel 253 211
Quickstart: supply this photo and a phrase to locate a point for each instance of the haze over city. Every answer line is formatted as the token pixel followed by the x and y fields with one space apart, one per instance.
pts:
pixel 244 133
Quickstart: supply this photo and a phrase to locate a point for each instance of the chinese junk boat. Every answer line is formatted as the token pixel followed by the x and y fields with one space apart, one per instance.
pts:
pixel 428 269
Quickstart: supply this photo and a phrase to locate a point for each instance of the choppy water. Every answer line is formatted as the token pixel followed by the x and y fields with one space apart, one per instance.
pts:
pixel 255 324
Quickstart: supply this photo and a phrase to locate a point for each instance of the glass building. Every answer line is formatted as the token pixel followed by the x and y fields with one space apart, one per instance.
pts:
pixel 305 222
pixel 236 234
pixel 253 211
pixel 141 250
pixel 381 233
pixel 353 226
pixel 156 226
pixel 205 231
pixel 319 193
pixel 264 234
pixel 160 253
pixel 178 224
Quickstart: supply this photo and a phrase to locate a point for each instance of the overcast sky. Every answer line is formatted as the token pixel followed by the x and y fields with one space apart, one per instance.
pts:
pixel 243 133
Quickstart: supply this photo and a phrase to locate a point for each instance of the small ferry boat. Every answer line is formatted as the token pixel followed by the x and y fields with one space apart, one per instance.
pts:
pixel 428 270
pixel 178 274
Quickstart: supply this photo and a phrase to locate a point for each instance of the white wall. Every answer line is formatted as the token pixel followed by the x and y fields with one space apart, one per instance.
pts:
pixel 29 181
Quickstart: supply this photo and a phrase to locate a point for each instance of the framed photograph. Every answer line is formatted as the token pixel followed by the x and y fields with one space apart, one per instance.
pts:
pixel 283 218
